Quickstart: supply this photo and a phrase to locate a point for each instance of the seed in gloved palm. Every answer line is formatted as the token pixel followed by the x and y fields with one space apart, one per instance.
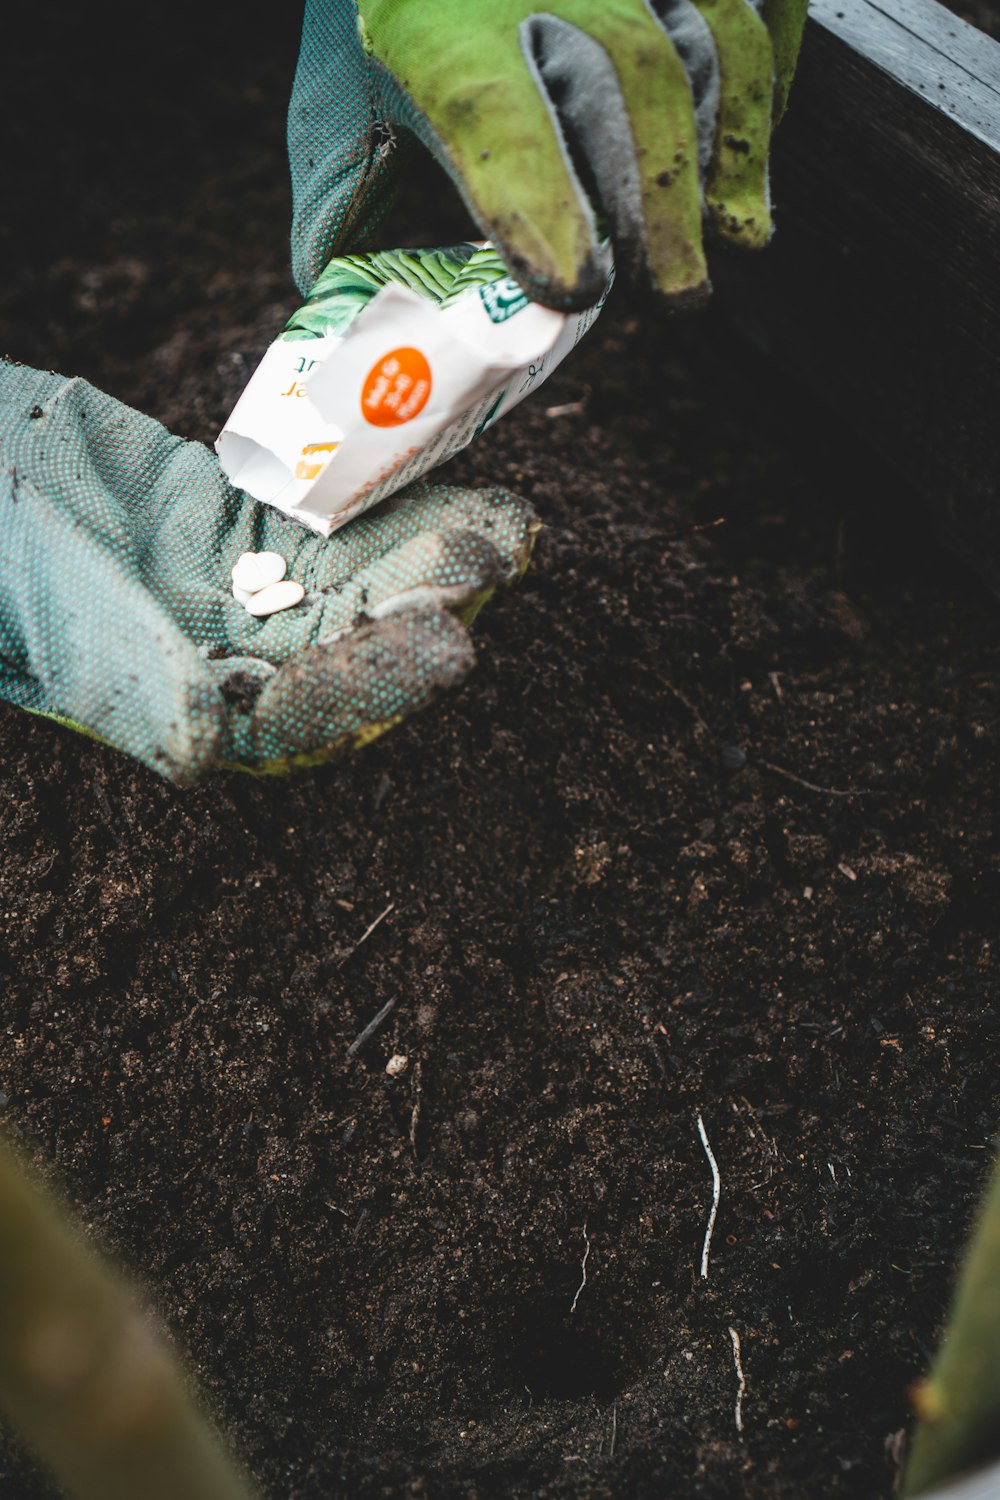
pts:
pixel 255 570
pixel 274 597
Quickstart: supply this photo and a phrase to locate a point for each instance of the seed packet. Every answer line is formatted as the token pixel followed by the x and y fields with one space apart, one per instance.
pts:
pixel 397 360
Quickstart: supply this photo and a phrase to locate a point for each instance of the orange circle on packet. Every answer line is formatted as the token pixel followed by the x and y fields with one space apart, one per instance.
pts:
pixel 396 389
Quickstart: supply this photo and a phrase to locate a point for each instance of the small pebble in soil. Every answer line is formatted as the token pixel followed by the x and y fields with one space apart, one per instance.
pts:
pixel 275 597
pixel 397 1064
pixel 732 758
pixel 255 570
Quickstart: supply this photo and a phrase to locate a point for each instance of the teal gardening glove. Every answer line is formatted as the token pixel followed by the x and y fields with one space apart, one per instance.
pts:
pixel 117 542
pixel 655 111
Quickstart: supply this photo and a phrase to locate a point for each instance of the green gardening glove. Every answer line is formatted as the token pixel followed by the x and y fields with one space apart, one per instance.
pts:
pixel 652 112
pixel 117 543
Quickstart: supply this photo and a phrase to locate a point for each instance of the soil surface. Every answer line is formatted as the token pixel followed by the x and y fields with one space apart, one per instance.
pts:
pixel 982 13
pixel 711 832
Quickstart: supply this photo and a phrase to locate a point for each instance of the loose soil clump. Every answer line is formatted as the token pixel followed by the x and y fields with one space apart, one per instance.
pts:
pixel 710 833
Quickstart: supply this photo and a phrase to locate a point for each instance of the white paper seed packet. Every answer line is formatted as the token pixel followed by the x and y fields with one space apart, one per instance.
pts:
pixel 396 361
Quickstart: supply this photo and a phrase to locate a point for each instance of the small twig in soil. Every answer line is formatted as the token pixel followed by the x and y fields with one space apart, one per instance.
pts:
pixel 700 725
pixel 614 1430
pixel 716 1195
pixel 772 1149
pixel 583 1267
pixel 810 786
pixel 740 1377
pixel 368 932
pixel 570 408
pixel 769 1146
pixel 676 536
pixel 372 1027
pixel 415 1113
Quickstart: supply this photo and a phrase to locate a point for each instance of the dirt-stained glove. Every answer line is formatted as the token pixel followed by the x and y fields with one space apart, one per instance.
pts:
pixel 117 616
pixel 652 111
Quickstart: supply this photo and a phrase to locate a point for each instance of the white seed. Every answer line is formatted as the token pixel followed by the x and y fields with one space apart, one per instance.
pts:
pixel 397 1064
pixel 255 570
pixel 242 596
pixel 276 596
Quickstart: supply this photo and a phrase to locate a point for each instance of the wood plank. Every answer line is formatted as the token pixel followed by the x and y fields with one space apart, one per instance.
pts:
pixel 881 288
pixel 904 35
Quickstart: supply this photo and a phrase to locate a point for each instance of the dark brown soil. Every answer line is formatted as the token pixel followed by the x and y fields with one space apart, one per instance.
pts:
pixel 598 929
pixel 982 13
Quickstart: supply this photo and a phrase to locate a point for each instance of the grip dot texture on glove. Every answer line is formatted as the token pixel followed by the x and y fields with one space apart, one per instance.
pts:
pixel 116 605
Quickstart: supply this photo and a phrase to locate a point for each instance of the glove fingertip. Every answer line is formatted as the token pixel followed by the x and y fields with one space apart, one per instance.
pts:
pixel 546 282
pixel 338 695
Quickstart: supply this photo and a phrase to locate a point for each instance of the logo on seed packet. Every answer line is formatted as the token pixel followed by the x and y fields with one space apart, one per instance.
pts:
pixel 502 299
pixel 396 389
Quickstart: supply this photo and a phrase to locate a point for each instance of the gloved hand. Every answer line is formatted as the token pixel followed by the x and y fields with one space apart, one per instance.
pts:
pixel 539 108
pixel 117 542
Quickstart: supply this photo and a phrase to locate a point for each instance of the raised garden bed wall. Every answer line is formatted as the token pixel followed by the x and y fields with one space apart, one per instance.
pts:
pixel 880 290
